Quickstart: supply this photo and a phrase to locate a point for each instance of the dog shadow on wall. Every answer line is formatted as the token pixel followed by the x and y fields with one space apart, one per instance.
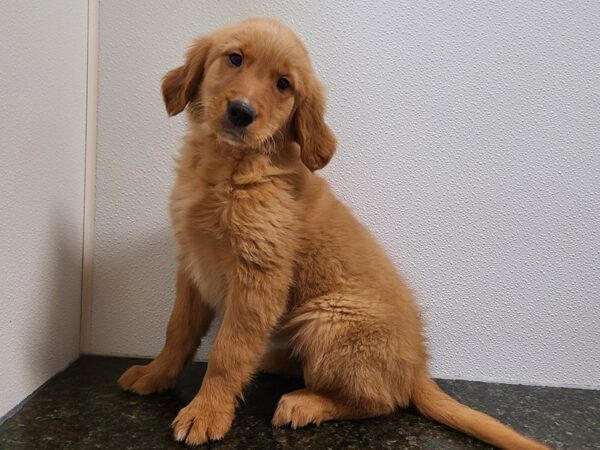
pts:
pixel 133 293
pixel 55 316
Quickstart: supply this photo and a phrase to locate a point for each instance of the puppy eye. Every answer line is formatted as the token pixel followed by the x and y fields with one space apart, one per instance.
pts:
pixel 236 59
pixel 283 83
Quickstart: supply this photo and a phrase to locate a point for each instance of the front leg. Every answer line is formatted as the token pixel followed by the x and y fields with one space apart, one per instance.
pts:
pixel 189 322
pixel 256 300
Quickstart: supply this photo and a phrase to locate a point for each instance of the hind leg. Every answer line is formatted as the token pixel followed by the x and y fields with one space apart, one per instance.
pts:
pixel 302 407
pixel 354 363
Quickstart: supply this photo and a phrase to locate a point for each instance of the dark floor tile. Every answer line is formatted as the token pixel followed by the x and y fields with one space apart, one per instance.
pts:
pixel 82 408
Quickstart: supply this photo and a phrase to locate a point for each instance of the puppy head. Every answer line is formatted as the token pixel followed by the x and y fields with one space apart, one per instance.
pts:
pixel 253 83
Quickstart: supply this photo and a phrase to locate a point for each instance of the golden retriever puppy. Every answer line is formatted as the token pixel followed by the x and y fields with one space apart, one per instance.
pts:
pixel 265 243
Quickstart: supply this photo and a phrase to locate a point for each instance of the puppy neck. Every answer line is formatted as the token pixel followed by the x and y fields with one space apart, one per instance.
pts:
pixel 238 164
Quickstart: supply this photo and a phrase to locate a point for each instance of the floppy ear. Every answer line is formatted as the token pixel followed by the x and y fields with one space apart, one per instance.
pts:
pixel 317 142
pixel 179 86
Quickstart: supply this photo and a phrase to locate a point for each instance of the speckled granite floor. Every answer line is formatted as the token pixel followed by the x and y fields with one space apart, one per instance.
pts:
pixel 82 408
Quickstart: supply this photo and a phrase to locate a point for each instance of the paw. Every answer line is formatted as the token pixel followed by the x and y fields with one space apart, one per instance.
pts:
pixel 145 380
pixel 196 425
pixel 298 410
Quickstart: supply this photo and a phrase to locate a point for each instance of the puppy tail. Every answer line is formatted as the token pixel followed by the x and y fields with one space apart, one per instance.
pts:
pixel 432 402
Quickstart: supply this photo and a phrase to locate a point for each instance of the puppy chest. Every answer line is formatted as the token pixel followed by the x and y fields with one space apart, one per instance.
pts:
pixel 208 270
pixel 243 216
pixel 234 227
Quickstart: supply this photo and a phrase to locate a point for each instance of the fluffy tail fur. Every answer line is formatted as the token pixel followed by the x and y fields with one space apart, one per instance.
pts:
pixel 432 402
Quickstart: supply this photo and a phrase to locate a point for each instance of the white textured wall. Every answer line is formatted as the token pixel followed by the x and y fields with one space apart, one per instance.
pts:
pixel 469 143
pixel 42 150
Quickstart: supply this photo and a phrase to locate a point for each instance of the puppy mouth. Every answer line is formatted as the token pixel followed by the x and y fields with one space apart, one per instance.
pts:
pixel 231 133
pixel 231 137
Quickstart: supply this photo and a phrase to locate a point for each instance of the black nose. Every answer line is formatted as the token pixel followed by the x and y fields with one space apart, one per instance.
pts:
pixel 241 114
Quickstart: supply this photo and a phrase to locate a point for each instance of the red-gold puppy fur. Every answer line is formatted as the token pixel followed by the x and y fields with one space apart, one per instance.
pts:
pixel 265 243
